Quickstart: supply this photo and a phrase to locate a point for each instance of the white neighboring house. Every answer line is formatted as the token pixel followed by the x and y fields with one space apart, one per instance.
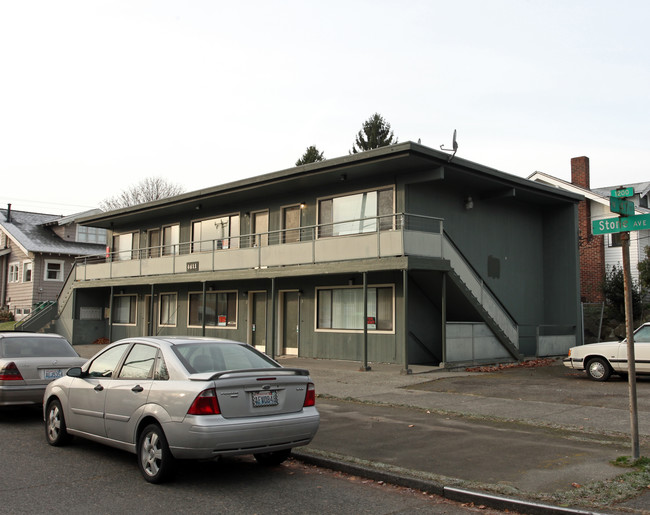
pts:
pixel 598 199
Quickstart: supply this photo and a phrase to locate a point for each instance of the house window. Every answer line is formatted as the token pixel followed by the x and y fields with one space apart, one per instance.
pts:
pixel 53 270
pixel 615 240
pixel 27 271
pixel 14 273
pixel 124 309
pixel 342 308
pixel 215 233
pixel 356 213
pixel 168 308
pixel 91 235
pixel 124 246
pixel 220 309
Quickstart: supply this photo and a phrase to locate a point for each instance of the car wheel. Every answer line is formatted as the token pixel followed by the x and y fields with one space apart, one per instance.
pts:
pixel 598 369
pixel 271 459
pixel 154 457
pixel 55 428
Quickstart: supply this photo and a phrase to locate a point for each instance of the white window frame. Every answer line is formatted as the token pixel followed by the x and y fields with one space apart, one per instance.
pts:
pixel 173 316
pixel 61 274
pixel 353 331
pixel 14 272
pixel 28 266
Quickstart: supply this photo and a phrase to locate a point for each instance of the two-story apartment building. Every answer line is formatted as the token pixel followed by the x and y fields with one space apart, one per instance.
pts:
pixel 37 252
pixel 398 254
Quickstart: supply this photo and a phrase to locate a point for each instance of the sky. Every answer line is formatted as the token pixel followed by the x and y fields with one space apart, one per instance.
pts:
pixel 96 96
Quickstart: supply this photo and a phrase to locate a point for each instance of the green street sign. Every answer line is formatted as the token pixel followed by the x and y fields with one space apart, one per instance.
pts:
pixel 621 206
pixel 623 192
pixel 628 223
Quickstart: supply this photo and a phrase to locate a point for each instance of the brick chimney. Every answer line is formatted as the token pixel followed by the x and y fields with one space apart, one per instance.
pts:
pixel 592 248
pixel 580 172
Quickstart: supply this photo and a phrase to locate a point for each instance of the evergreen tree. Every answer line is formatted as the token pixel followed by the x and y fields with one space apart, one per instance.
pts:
pixel 311 155
pixel 374 133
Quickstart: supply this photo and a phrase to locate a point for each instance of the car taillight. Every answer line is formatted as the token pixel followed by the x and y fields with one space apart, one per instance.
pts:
pixel 10 372
pixel 205 404
pixel 310 396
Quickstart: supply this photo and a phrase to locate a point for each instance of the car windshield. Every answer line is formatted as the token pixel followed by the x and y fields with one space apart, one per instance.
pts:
pixel 35 347
pixel 217 357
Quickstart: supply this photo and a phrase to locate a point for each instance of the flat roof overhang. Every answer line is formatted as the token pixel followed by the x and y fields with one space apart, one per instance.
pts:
pixel 407 162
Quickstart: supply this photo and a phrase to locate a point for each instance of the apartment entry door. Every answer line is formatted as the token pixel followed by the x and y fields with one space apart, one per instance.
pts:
pixel 290 322
pixel 257 319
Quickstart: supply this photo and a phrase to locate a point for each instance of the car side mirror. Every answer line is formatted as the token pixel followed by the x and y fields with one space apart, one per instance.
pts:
pixel 74 372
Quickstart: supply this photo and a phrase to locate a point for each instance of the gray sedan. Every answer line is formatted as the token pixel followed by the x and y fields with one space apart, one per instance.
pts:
pixel 29 361
pixel 183 398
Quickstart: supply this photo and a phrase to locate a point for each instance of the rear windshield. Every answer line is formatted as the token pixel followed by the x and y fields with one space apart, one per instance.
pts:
pixel 217 357
pixel 35 347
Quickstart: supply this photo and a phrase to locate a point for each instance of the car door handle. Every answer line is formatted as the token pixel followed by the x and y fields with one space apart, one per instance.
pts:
pixel 98 388
pixel 137 388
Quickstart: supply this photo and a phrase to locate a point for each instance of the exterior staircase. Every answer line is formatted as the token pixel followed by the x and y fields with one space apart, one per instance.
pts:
pixel 494 314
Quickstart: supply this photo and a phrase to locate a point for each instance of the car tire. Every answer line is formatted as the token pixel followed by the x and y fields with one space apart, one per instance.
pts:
pixel 56 432
pixel 272 459
pixel 598 369
pixel 155 460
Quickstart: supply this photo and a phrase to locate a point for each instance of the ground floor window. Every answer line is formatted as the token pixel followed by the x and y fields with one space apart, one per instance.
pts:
pixel 124 309
pixel 220 309
pixel 342 308
pixel 168 308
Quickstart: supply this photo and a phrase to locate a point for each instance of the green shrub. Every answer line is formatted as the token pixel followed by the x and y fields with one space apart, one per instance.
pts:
pixel 6 316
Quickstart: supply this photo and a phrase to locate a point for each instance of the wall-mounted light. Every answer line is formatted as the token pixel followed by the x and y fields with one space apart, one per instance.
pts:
pixel 469 203
pixel 245 294
pixel 343 177
pixel 198 207
pixel 303 205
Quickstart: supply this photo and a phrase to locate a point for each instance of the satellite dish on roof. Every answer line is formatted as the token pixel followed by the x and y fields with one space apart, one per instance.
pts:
pixel 454 149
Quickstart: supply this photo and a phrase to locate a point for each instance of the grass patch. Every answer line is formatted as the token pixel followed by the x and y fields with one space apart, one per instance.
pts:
pixel 7 326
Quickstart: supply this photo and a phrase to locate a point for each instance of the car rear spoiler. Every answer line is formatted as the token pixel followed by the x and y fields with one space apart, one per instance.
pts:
pixel 249 372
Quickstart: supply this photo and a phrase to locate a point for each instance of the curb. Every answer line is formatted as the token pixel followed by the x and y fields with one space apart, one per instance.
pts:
pixel 432 487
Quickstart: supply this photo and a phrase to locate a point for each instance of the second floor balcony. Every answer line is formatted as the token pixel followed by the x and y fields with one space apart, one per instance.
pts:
pixel 367 238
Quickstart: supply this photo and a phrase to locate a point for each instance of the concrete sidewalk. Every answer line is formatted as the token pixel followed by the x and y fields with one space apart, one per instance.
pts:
pixel 521 455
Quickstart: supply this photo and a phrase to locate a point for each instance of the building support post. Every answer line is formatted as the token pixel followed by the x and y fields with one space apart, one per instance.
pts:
pixel 405 320
pixel 110 315
pixel 150 332
pixel 629 325
pixel 443 318
pixel 365 367
pixel 272 340
pixel 203 310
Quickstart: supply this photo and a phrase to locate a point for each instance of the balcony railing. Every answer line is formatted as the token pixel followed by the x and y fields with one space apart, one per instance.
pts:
pixel 365 238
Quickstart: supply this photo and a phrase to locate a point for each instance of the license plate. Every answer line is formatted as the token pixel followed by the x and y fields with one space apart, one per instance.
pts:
pixel 262 399
pixel 53 373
